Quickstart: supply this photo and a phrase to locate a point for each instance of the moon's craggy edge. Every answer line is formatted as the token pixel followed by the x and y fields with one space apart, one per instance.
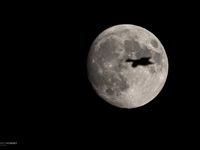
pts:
pixel 109 80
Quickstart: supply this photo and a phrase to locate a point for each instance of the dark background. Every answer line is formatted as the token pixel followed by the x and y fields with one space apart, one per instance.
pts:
pixel 46 98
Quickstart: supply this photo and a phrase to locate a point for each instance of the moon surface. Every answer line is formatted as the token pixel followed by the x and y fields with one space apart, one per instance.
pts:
pixel 127 66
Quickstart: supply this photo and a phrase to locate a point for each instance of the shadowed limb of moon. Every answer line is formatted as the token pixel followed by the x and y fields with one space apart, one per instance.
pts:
pixel 127 66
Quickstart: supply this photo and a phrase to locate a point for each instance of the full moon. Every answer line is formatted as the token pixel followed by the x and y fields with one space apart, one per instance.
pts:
pixel 127 66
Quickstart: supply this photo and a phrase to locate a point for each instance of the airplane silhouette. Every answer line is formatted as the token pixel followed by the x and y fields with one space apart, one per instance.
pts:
pixel 142 61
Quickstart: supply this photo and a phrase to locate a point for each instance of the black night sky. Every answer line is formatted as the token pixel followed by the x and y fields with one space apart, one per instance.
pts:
pixel 46 96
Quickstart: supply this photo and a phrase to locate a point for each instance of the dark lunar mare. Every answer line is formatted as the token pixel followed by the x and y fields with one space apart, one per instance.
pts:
pixel 154 43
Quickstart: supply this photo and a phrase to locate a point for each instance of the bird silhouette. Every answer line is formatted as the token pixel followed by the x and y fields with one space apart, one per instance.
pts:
pixel 142 61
